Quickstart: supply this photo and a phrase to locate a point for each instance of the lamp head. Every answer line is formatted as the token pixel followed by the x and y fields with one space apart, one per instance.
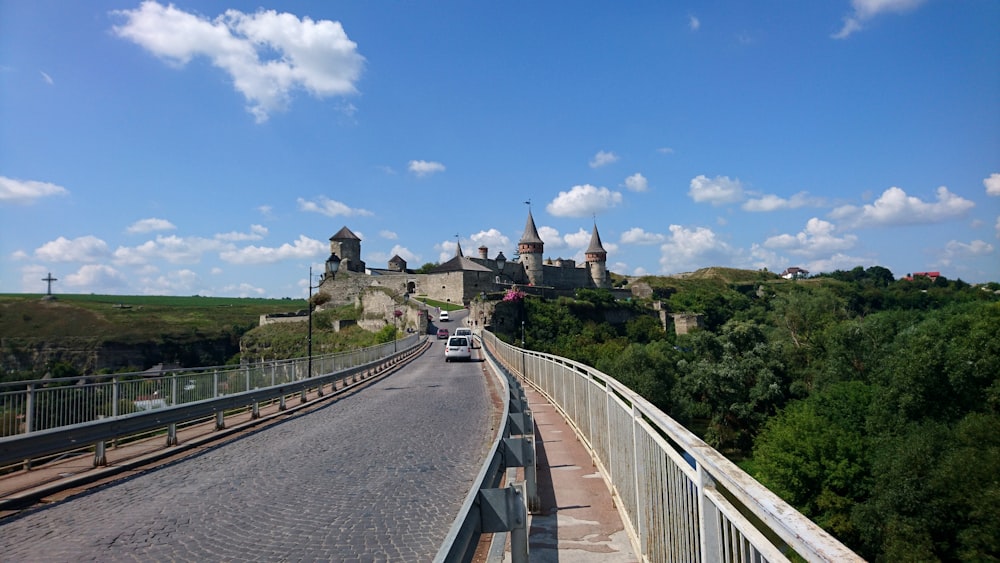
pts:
pixel 332 264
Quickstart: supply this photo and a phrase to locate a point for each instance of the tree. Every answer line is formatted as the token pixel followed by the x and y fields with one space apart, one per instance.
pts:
pixel 814 454
pixel 649 370
pixel 739 388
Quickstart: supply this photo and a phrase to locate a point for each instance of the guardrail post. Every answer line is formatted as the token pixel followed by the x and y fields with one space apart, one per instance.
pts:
pixel 504 510
pixel 29 410
pixel 220 420
pixel 708 519
pixel 100 457
pixel 255 410
pixel 172 434
pixel 215 384
pixel 114 396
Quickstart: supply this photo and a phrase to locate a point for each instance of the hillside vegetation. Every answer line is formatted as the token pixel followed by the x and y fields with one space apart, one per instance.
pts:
pixel 870 404
pixel 37 334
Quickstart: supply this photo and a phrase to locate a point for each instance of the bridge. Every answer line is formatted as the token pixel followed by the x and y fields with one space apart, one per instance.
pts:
pixel 383 454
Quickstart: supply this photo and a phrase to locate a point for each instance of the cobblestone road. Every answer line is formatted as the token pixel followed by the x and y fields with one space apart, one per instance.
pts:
pixel 378 476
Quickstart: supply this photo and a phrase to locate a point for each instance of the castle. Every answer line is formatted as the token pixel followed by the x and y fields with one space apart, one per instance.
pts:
pixel 462 278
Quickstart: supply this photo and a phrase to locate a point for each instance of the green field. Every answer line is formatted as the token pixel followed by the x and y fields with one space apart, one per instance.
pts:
pixel 132 317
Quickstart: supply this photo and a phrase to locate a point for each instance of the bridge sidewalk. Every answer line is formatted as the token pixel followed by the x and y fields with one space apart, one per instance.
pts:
pixel 577 520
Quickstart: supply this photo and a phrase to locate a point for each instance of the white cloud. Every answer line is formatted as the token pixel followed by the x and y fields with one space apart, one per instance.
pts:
pixel 636 235
pixel 690 249
pixel 581 201
pixel 303 248
pixel 381 259
pixel 268 55
pixel 579 239
pixel 694 24
pixel 551 237
pixel 257 232
pixel 603 158
pixel 957 250
pixel 388 235
pixel 174 249
pixel 183 281
pixel 265 210
pixel 494 240
pixel 894 207
pixel 992 184
pixel 838 261
pixel 243 290
pixel 770 202
pixel 665 150
pixel 640 271
pixel 815 240
pixel 404 253
pixel 865 10
pixel 997 227
pixel 425 167
pixel 48 79
pixel 330 207
pixel 637 183
pixel 446 250
pixel 717 191
pixel 96 278
pixel 81 249
pixel 150 225
pixel 27 191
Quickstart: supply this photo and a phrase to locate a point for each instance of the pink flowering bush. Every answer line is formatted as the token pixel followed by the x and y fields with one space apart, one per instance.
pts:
pixel 513 294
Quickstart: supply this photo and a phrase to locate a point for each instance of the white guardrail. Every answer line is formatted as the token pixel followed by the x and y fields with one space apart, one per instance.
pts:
pixel 683 500
pixel 45 417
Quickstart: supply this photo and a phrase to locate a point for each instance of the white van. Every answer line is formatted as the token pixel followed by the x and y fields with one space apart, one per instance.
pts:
pixel 466 332
pixel 443 317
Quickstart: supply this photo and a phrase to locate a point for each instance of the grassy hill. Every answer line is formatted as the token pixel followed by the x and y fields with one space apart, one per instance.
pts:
pixel 82 329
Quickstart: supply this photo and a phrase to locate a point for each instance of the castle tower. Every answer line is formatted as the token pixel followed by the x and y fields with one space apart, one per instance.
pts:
pixel 347 246
pixel 530 248
pixel 597 260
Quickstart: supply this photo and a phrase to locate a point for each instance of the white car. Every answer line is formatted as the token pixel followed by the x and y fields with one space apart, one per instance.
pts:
pixel 457 348
pixel 443 317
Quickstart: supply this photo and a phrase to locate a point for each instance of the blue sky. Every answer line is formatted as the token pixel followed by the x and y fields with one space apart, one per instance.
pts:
pixel 212 148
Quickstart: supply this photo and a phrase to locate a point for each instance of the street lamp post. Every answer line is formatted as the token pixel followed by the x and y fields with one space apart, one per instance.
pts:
pixel 395 336
pixel 522 334
pixel 309 338
pixel 332 265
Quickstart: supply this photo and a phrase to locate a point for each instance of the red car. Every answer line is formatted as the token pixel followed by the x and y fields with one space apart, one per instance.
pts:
pixel 442 333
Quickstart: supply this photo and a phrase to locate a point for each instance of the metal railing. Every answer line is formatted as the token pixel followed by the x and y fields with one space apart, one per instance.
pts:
pixel 43 417
pixel 499 511
pixel 681 499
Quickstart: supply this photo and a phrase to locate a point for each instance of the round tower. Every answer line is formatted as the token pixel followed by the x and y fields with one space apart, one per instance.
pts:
pixel 597 261
pixel 530 249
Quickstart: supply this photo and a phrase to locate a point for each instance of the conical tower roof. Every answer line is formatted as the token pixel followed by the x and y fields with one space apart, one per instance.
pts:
pixel 595 243
pixel 530 235
pixel 458 248
pixel 345 234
